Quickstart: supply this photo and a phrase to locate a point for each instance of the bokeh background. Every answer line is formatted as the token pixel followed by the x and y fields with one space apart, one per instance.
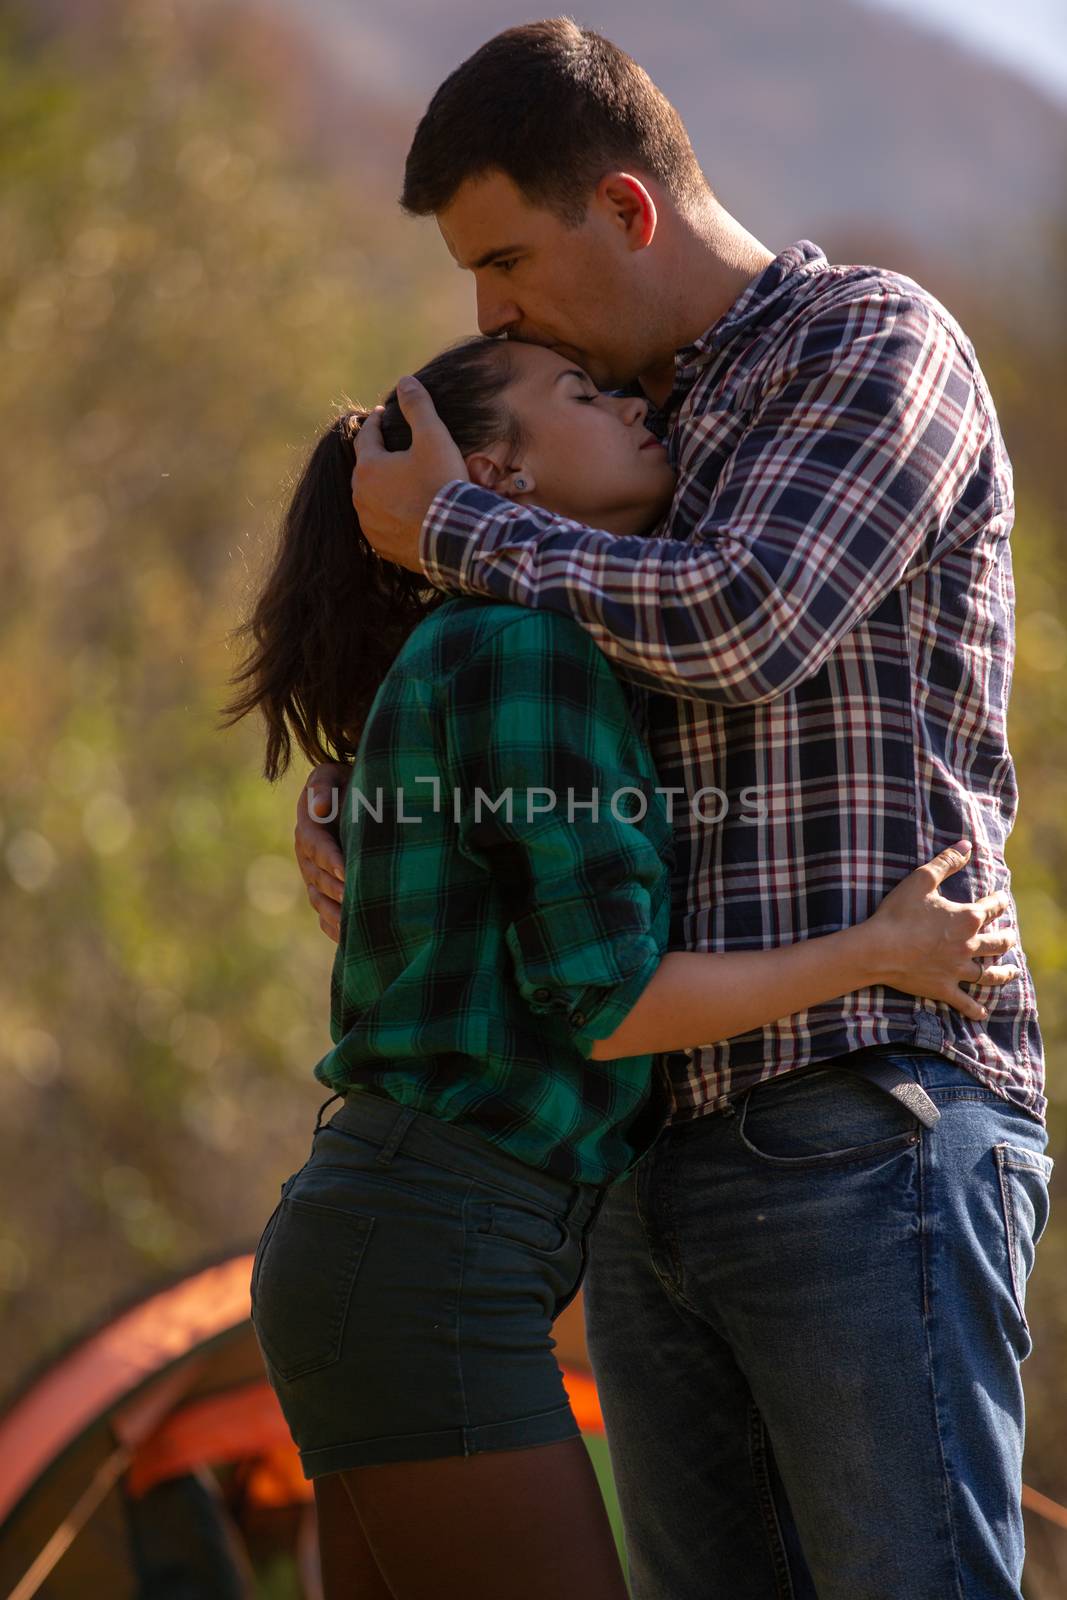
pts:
pixel 200 251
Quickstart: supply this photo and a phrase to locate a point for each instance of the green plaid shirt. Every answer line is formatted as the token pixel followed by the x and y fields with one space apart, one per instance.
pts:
pixel 494 923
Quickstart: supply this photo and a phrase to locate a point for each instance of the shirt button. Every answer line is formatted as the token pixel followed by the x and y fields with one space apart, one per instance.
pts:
pixel 542 994
pixel 578 1018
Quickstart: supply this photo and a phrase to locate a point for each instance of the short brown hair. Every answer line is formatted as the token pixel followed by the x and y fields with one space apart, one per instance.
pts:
pixel 553 106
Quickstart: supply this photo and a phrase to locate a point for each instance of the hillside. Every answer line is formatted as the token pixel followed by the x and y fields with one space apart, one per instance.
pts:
pixel 807 116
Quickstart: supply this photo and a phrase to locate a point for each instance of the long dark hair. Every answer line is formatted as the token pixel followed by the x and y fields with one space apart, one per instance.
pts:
pixel 332 615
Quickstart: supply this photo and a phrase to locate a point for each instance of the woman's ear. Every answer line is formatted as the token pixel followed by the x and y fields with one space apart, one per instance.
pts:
pixel 492 472
pixel 485 469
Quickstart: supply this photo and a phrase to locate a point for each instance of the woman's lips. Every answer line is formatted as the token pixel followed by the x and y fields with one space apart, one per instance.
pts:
pixel 652 443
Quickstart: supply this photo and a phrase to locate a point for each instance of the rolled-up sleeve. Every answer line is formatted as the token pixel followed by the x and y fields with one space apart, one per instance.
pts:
pixel 554 792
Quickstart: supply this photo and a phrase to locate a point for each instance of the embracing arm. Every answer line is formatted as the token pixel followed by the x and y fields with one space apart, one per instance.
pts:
pixel 540 744
pixel 917 941
pixel 585 893
pixel 860 444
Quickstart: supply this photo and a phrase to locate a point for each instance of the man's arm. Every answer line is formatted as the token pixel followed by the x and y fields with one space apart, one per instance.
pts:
pixel 856 453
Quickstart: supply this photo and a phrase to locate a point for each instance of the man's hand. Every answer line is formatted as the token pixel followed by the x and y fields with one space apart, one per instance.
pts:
pixel 392 489
pixel 318 854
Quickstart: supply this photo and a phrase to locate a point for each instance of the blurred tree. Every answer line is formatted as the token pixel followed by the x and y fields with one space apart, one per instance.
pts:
pixel 183 295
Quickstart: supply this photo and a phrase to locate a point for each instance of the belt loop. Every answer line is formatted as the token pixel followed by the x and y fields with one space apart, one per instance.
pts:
pixel 322 1108
pixel 400 1127
pixel 580 1192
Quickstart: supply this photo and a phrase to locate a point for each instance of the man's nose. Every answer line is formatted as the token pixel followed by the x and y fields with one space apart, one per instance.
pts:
pixel 496 316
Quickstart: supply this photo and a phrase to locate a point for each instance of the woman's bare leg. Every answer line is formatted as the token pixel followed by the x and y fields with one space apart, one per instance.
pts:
pixel 529 1524
pixel 349 1570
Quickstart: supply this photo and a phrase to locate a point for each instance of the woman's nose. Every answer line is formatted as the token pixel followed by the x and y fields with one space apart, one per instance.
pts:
pixel 635 411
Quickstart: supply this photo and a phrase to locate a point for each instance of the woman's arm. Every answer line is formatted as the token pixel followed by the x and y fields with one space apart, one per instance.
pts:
pixel 917 941
pixel 533 716
pixel 536 704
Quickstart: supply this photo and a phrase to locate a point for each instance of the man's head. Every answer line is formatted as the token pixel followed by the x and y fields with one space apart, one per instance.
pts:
pixel 552 162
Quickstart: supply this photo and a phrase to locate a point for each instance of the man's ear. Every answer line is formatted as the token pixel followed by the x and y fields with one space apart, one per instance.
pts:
pixel 630 206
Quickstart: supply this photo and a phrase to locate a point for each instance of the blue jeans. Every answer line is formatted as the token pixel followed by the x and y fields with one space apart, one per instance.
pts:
pixel 806 1317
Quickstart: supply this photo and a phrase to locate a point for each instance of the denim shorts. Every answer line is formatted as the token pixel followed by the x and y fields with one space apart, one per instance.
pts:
pixel 404 1290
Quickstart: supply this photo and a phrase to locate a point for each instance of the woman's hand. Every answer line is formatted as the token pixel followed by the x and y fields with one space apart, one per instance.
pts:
pixel 926 945
pixel 318 853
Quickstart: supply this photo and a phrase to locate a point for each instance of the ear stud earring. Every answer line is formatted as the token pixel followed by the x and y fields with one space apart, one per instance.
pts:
pixel 521 484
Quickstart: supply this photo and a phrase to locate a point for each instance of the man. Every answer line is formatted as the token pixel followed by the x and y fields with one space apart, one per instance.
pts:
pixel 805 1307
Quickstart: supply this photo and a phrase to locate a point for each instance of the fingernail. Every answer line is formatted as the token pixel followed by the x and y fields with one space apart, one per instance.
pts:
pixel 405 385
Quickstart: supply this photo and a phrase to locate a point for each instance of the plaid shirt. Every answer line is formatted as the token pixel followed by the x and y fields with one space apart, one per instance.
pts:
pixel 829 629
pixel 486 937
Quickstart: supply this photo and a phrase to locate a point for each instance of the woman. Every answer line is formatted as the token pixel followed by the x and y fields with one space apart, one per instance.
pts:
pixel 499 990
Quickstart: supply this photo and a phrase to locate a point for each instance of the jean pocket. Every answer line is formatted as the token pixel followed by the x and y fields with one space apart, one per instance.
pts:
pixel 264 1240
pixel 257 1259
pixel 539 1231
pixel 304 1276
pixel 828 1117
pixel 1024 1178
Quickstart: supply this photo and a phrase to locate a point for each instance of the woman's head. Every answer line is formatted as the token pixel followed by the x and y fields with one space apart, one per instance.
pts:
pixel 532 426
pixel 574 450
pixel 331 615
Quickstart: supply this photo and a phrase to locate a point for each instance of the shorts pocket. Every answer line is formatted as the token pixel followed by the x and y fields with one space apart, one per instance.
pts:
pixel 264 1240
pixel 535 1230
pixel 1024 1177
pixel 303 1278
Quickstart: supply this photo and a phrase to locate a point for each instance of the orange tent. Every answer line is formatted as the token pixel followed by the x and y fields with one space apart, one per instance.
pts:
pixel 154 1444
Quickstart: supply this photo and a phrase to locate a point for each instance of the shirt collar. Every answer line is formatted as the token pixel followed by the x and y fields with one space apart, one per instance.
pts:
pixel 778 279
